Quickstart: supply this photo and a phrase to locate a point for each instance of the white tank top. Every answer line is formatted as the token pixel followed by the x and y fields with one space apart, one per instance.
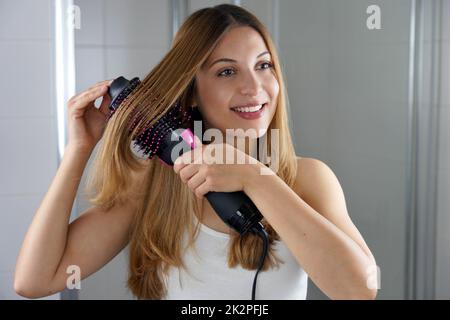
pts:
pixel 210 278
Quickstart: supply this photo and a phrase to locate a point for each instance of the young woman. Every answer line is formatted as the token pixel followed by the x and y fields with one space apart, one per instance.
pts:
pixel 222 60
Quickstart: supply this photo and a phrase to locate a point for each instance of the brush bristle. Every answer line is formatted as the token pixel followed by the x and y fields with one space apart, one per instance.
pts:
pixel 147 144
pixel 148 140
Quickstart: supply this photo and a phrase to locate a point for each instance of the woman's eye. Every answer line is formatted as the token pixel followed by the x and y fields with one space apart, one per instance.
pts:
pixel 269 65
pixel 221 74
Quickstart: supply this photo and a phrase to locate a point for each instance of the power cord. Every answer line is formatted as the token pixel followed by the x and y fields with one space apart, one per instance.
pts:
pixel 259 230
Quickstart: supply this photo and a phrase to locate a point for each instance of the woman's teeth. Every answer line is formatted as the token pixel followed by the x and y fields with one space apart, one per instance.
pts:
pixel 248 109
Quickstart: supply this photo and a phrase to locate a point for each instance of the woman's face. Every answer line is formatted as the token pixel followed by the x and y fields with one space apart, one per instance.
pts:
pixel 249 80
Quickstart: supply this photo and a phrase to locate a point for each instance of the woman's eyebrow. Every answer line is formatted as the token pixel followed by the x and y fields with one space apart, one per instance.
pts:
pixel 231 60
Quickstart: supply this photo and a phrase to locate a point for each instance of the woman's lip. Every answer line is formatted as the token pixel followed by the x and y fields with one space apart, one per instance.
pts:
pixel 251 115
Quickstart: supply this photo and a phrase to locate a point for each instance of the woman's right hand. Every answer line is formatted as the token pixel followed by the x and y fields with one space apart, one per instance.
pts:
pixel 86 123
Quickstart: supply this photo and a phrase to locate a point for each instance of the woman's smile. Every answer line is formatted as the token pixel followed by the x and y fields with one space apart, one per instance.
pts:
pixel 250 113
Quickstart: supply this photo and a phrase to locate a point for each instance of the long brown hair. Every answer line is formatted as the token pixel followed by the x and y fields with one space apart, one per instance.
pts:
pixel 156 238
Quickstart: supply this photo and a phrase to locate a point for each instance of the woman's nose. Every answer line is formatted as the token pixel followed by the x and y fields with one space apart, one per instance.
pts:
pixel 250 85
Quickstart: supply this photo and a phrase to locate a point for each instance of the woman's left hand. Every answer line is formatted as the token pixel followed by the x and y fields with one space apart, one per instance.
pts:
pixel 204 169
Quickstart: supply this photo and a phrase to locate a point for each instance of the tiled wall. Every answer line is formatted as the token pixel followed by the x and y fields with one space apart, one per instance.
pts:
pixel 348 92
pixel 27 124
pixel 442 282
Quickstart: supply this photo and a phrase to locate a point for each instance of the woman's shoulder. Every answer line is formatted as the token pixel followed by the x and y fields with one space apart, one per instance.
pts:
pixel 307 167
pixel 305 162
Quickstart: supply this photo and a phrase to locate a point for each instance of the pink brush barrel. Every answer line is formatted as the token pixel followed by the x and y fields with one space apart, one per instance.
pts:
pixel 188 137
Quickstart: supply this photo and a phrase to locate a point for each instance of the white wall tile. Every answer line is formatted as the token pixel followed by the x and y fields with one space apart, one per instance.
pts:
pixel 262 9
pixel 28 164
pixel 443 174
pixel 89 66
pixel 131 62
pixel 92 22
pixel 25 79
pixel 303 22
pixel 25 19
pixel 137 23
pixel 306 74
pixel 348 21
pixel 16 212
pixel 194 5
pixel 445 18
pixel 444 141
pixel 442 235
pixel 445 73
pixel 371 72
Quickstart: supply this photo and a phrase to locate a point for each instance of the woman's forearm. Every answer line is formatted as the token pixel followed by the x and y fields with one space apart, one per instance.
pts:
pixel 336 263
